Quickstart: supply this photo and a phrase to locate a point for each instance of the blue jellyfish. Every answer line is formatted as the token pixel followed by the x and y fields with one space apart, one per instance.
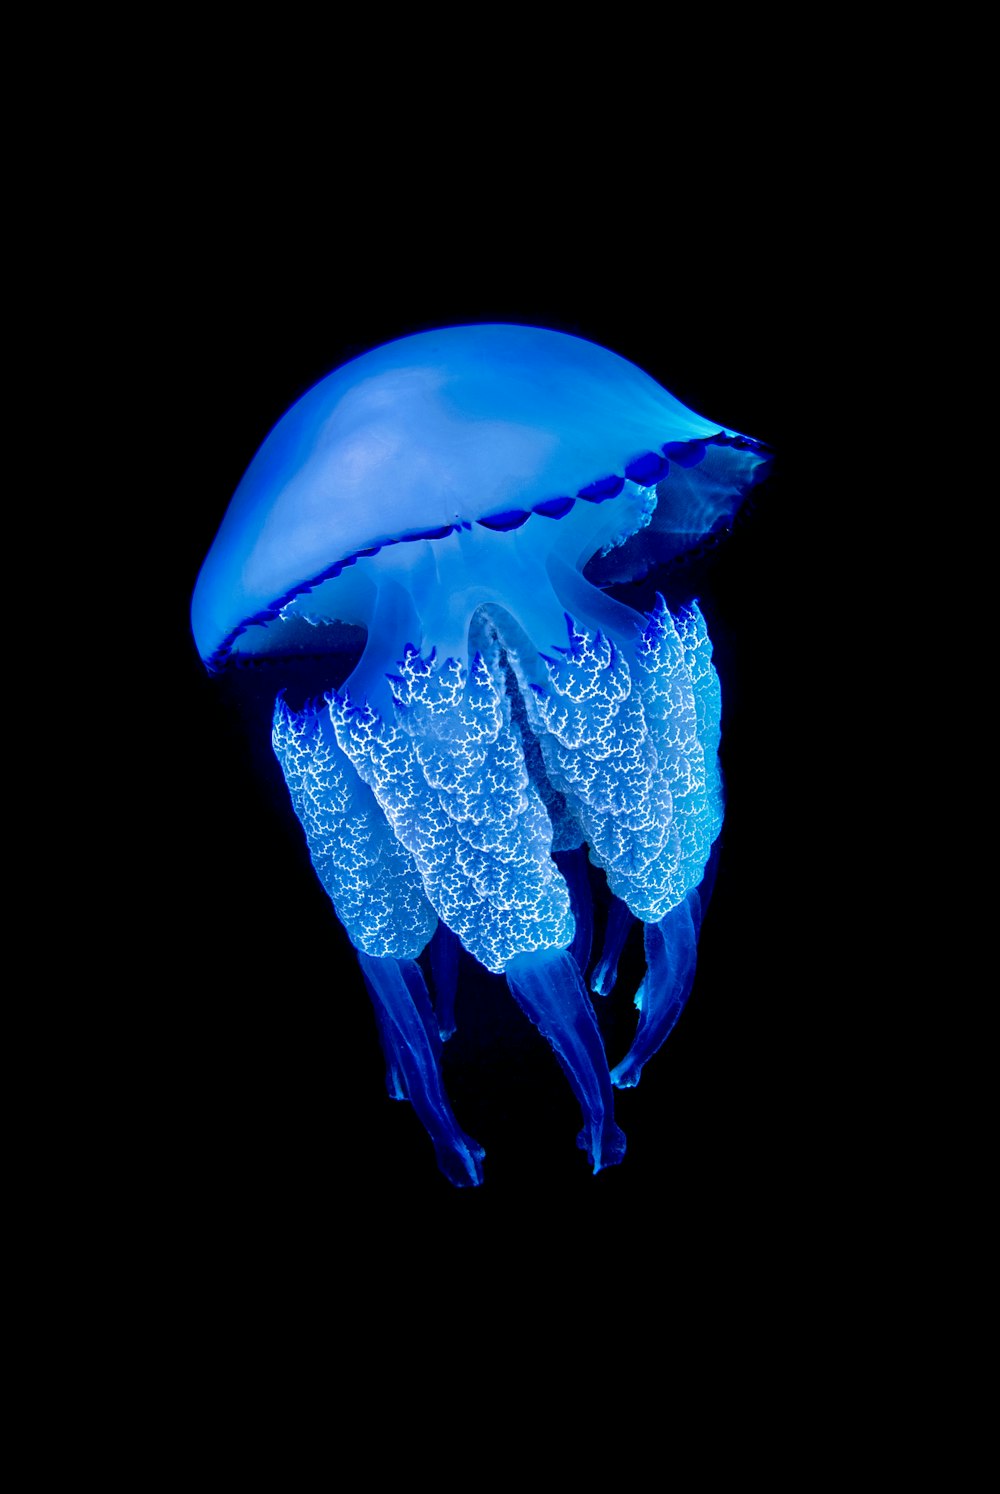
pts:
pixel 460 506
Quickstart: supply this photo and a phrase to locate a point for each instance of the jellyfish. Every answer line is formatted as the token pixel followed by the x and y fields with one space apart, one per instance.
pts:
pixel 463 507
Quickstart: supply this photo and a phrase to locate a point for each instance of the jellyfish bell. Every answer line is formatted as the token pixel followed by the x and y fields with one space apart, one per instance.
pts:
pixel 465 501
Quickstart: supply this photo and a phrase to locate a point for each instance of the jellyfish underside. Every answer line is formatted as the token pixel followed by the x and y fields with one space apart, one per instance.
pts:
pixel 507 709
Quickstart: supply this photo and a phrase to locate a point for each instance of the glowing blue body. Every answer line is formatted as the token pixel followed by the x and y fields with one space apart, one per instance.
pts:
pixel 447 494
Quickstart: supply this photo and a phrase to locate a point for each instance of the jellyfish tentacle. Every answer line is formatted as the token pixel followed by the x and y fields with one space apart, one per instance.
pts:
pixel 619 926
pixel 409 1032
pixel 443 951
pixel 371 879
pixel 395 1082
pixel 628 726
pixel 628 729
pixel 395 1077
pixel 707 695
pixel 600 754
pixel 548 988
pixel 449 775
pixel 671 956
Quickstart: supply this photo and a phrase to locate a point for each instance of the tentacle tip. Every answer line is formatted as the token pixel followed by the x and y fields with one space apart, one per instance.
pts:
pixel 472 1177
pixel 460 1159
pixel 605 1149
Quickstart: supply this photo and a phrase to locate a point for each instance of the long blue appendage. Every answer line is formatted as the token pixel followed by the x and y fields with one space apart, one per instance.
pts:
pixel 620 921
pixel 443 950
pixel 549 989
pixel 395 1079
pixel 671 957
pixel 409 1032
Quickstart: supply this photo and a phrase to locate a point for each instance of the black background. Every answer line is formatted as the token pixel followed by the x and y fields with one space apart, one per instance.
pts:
pixel 270 1141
